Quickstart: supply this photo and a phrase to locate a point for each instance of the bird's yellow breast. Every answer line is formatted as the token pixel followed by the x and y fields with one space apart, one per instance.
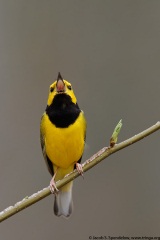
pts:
pixel 64 146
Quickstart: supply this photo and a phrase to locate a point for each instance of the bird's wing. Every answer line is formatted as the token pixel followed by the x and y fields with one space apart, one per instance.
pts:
pixel 42 139
pixel 84 129
pixel 85 126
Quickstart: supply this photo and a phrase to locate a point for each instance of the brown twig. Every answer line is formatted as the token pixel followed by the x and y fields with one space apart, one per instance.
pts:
pixel 91 162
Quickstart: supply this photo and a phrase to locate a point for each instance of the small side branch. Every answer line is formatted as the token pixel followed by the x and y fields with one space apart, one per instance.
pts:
pixel 91 162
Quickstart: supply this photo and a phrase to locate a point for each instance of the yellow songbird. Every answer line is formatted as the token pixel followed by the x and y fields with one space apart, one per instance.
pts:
pixel 62 133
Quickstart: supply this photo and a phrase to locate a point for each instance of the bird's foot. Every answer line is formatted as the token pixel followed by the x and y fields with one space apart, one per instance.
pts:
pixel 79 169
pixel 52 186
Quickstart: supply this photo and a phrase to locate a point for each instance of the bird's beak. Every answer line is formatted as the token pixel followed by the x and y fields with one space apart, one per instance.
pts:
pixel 60 86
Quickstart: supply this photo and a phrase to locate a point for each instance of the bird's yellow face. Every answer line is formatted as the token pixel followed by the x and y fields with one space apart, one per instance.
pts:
pixel 60 86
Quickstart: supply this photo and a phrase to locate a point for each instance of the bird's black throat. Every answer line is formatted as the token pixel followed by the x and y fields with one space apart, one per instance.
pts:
pixel 63 112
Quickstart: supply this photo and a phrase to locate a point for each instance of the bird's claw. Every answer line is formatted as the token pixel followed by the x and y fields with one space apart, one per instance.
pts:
pixel 79 169
pixel 53 187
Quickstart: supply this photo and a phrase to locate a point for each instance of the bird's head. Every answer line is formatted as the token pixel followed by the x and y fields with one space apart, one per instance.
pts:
pixel 60 86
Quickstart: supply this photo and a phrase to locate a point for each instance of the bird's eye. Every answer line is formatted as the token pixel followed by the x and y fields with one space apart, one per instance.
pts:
pixel 51 89
pixel 69 87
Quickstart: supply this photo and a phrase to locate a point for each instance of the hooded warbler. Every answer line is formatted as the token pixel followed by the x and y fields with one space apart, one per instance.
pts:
pixel 62 134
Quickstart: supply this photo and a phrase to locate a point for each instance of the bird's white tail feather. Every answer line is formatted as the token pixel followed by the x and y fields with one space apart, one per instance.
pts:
pixel 63 201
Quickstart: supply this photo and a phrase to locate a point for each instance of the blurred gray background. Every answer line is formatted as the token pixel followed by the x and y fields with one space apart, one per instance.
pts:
pixel 110 52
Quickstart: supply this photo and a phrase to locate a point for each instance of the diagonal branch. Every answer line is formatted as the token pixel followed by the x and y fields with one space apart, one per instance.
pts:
pixel 91 162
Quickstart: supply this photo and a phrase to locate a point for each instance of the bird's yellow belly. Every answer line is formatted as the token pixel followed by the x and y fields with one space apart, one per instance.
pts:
pixel 64 146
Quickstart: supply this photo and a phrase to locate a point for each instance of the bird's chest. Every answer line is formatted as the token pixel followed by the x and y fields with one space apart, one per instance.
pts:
pixel 64 146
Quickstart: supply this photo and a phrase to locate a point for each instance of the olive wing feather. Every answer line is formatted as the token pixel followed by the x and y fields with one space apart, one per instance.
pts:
pixel 42 139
